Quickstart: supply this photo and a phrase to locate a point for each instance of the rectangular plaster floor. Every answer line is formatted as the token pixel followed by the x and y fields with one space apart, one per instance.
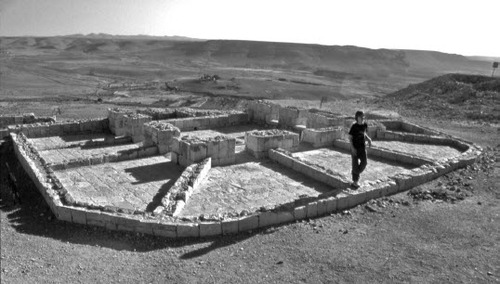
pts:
pixel 428 151
pixel 60 155
pixel 134 184
pixel 54 142
pixel 339 161
pixel 248 185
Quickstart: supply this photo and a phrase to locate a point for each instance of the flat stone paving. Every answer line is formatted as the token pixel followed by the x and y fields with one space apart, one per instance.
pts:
pixel 57 156
pixel 55 142
pixel 339 161
pixel 432 152
pixel 135 184
pixel 248 185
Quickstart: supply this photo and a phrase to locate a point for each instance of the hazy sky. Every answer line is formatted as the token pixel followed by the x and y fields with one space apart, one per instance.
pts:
pixel 462 27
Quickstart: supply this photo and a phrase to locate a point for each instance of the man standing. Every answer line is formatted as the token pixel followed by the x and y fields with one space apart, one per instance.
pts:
pixel 358 137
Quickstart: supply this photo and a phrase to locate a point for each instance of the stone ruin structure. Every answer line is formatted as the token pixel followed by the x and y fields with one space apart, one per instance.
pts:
pixel 181 172
pixel 26 118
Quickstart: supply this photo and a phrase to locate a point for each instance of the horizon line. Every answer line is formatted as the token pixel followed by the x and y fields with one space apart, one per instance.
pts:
pixel 247 40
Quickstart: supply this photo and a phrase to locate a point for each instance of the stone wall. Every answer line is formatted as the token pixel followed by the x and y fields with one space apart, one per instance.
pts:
pixel 16 120
pixel 201 226
pixel 190 112
pixel 159 113
pixel 321 119
pixel 261 112
pixel 115 117
pixel 209 122
pixel 390 155
pixel 160 134
pixel 289 117
pixel 27 118
pixel 189 150
pixel 403 126
pixel 423 138
pixel 320 137
pixel 132 125
pixel 258 143
pixel 178 195
pixel 36 130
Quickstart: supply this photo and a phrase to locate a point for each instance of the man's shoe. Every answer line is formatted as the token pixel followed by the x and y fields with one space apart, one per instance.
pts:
pixel 355 184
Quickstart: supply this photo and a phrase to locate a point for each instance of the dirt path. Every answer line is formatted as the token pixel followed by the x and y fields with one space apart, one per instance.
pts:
pixel 391 240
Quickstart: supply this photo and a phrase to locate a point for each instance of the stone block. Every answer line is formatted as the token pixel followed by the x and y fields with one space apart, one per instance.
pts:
pixel 273 155
pixel 163 149
pixel 298 166
pixel 210 229
pixel 248 223
pixel 78 216
pixel 168 230
pixel 95 218
pixel 342 201
pixel 389 135
pixel 286 160
pixel 151 151
pixel 231 145
pixel 55 130
pixel 403 181
pixel 287 144
pixel 300 212
pixel 175 145
pixel 375 192
pixel 96 160
pixel 223 148
pixel 359 196
pixel 230 227
pixel 213 149
pixel 312 209
pixel 331 204
pixel 389 188
pixel 187 124
pixel 181 160
pixel 227 161
pixel 268 218
pixel 132 155
pixel 321 207
pixel 145 227
pixel 126 224
pixel 285 217
pixel 188 230
pixel 183 148
pixel 64 213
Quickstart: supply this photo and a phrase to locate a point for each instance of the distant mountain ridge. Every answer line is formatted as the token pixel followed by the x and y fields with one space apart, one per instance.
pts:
pixel 138 37
pixel 320 59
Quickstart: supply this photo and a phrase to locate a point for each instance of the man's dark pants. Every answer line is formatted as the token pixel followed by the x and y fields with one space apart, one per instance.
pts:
pixel 359 163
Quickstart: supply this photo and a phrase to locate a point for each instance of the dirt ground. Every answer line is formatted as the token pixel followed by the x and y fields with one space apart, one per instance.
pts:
pixel 446 231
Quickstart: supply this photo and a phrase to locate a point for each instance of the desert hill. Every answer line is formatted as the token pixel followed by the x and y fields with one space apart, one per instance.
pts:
pixel 82 66
pixel 455 96
pixel 324 60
